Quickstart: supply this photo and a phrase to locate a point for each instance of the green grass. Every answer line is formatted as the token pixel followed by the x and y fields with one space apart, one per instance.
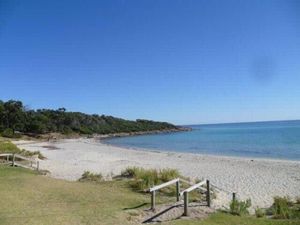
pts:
pixel 28 198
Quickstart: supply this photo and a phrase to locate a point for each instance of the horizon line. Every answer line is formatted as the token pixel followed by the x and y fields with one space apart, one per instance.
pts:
pixel 258 121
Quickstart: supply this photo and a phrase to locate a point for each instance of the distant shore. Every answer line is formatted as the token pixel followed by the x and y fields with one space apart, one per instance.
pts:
pixel 258 179
pixel 137 133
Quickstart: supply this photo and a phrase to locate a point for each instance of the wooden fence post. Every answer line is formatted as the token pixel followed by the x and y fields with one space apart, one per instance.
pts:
pixel 233 196
pixel 7 158
pixel 177 191
pixel 37 165
pixel 13 160
pixel 207 193
pixel 186 202
pixel 153 200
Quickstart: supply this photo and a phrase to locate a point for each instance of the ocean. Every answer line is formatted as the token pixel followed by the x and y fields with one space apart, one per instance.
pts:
pixel 275 140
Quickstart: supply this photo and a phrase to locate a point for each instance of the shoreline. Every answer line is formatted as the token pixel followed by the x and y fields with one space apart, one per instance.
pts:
pixel 258 179
pixel 102 141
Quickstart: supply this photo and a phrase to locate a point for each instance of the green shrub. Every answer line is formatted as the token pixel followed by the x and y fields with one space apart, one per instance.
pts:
pixel 143 179
pixel 9 133
pixel 168 174
pixel 259 212
pixel 92 177
pixel 8 147
pixel 280 208
pixel 130 172
pixel 240 207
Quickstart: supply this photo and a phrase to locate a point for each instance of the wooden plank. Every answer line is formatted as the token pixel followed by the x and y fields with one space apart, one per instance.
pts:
pixel 23 157
pixel 6 154
pixel 191 183
pixel 22 165
pixel 193 187
pixel 5 163
pixel 17 156
pixel 155 188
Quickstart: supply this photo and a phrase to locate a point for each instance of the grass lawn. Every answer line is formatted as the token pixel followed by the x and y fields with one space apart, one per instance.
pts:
pixel 28 198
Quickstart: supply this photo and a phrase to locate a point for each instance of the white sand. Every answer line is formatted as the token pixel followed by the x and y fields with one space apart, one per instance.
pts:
pixel 258 179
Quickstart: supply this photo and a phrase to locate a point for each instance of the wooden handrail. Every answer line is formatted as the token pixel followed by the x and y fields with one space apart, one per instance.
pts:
pixel 155 188
pixel 193 187
pixel 25 158
pixel 14 156
pixel 6 154
pixel 191 183
pixel 18 156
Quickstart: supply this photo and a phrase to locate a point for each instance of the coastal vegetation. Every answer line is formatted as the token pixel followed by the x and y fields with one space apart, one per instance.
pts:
pixel 29 198
pixel 142 179
pixel 16 118
pixel 284 208
pixel 7 147
pixel 91 177
pixel 240 208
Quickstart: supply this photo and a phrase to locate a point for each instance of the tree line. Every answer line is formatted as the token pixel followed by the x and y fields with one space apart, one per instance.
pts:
pixel 16 118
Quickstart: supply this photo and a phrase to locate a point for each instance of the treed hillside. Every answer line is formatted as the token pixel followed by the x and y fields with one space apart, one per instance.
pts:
pixel 15 117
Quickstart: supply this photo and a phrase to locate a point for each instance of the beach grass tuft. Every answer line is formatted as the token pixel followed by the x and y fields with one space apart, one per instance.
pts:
pixel 143 179
pixel 280 208
pixel 88 176
pixel 240 208
pixel 259 212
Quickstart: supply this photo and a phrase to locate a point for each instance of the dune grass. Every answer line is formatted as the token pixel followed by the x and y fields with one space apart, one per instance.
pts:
pixel 7 146
pixel 29 198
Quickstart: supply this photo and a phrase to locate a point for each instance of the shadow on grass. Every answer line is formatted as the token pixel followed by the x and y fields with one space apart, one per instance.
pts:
pixel 136 207
pixel 160 213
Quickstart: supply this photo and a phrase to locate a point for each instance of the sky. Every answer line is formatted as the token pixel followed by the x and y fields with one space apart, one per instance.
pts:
pixel 185 62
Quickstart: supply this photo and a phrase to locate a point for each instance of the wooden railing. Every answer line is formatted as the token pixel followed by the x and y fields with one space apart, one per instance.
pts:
pixel 156 188
pixel 182 193
pixel 19 160
pixel 192 188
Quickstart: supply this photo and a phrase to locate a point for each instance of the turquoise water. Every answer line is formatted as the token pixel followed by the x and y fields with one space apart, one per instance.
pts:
pixel 278 140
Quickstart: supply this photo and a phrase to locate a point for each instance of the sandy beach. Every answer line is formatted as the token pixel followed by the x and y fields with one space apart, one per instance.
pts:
pixel 258 179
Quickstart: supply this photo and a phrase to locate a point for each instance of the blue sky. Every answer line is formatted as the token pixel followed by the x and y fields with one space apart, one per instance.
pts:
pixel 185 62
